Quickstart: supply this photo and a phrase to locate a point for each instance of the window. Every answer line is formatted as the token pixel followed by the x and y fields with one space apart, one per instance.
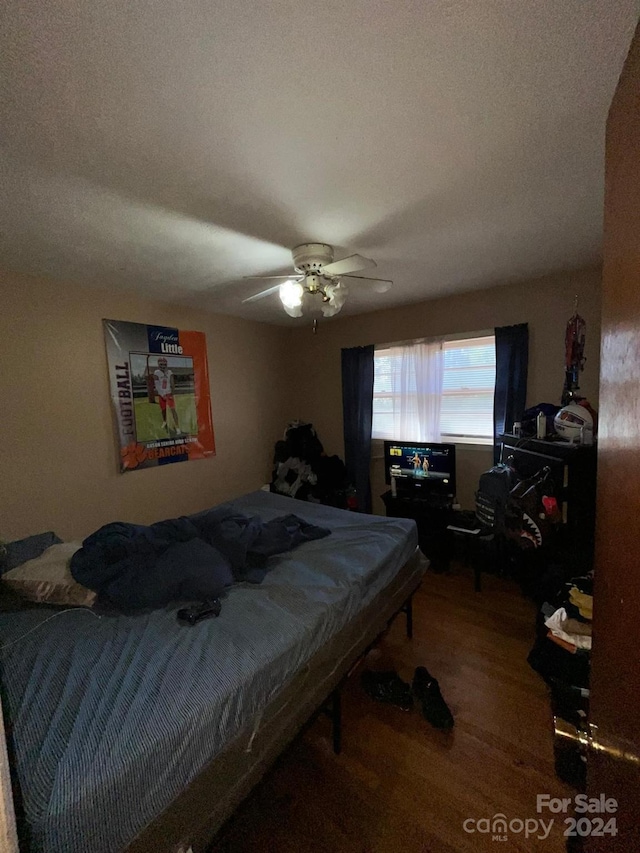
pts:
pixel 434 390
pixel 469 380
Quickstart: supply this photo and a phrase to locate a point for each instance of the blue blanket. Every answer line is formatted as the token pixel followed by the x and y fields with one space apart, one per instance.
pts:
pixel 134 567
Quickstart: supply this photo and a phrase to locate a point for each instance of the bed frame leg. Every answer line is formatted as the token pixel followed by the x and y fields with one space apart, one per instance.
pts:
pixel 408 609
pixel 336 720
pixel 333 709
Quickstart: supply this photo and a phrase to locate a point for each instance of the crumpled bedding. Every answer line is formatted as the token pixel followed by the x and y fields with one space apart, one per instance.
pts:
pixel 191 558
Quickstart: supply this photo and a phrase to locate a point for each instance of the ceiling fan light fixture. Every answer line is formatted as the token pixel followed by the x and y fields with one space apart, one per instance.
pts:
pixel 319 285
pixel 336 296
pixel 291 293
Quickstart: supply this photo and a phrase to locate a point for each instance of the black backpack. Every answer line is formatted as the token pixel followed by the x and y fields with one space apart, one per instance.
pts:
pixel 492 496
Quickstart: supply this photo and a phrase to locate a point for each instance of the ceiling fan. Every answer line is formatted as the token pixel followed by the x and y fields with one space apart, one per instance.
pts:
pixel 317 275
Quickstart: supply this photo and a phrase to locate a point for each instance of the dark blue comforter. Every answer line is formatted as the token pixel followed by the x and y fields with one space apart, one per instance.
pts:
pixel 192 558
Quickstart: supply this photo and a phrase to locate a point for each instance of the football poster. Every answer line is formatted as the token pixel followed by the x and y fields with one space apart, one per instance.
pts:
pixel 159 387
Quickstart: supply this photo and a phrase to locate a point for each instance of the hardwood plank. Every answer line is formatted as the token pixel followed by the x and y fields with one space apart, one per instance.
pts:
pixel 400 784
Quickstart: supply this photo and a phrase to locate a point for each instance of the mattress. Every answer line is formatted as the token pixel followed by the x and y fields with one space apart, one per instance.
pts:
pixel 113 717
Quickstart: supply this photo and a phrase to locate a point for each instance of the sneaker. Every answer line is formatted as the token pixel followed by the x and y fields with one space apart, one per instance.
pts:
pixel 387 687
pixel 427 691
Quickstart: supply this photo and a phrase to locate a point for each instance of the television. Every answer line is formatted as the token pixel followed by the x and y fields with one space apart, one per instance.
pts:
pixel 421 468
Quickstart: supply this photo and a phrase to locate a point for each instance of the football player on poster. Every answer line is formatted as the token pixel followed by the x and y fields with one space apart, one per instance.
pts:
pixel 164 384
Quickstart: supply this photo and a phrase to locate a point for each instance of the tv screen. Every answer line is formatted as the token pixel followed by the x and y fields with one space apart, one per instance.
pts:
pixel 421 466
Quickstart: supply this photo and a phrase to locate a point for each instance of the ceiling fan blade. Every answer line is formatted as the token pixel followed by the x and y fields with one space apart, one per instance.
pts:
pixel 294 277
pixel 382 284
pixel 351 264
pixel 263 293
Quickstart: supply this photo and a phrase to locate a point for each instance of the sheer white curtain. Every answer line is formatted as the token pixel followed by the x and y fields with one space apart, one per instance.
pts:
pixel 408 392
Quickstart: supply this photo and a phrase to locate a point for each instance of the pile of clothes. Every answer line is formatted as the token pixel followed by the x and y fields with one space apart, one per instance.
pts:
pixel 572 632
pixel 561 655
pixel 137 567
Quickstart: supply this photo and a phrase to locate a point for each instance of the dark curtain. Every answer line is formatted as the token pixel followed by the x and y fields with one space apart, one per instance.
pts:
pixel 512 360
pixel 357 409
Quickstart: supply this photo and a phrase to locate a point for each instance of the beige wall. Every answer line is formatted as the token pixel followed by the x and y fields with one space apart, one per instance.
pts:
pixel 545 304
pixel 58 464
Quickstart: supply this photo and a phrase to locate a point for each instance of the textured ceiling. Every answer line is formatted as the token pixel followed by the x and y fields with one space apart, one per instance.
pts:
pixel 173 147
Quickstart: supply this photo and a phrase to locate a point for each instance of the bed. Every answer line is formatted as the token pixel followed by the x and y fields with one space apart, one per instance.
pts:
pixel 136 733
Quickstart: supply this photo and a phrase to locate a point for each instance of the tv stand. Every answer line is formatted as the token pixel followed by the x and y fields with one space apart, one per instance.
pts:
pixel 432 515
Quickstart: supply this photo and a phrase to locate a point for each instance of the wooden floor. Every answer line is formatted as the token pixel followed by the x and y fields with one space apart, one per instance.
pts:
pixel 400 785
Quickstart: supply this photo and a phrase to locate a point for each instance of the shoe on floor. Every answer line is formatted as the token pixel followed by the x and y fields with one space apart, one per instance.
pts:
pixel 427 691
pixel 387 687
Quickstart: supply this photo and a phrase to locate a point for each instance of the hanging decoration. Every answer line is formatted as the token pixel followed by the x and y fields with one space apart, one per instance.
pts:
pixel 574 354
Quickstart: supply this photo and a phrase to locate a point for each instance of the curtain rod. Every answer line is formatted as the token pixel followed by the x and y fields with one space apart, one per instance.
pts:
pixel 459 336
